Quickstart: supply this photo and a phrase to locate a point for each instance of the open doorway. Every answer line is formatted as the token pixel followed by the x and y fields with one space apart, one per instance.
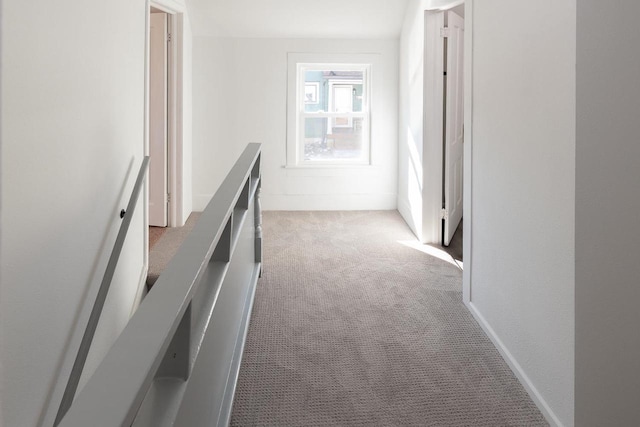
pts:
pixel 166 112
pixel 453 128
pixel 443 127
pixel 159 123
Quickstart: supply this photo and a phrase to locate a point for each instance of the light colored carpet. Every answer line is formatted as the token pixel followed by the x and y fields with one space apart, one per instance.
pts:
pixel 352 328
pixel 155 233
pixel 167 246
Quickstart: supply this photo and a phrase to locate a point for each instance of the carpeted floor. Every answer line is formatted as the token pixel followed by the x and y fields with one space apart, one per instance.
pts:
pixel 352 328
pixel 155 233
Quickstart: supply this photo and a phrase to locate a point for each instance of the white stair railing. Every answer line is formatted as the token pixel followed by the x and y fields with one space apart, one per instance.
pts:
pixel 177 360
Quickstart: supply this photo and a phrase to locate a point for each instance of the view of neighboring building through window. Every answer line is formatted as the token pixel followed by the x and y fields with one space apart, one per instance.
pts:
pixel 333 119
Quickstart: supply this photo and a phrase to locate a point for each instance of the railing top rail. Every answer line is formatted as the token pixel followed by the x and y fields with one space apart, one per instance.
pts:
pixel 113 394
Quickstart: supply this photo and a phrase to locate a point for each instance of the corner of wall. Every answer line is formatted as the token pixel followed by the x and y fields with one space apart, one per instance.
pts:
pixel 519 372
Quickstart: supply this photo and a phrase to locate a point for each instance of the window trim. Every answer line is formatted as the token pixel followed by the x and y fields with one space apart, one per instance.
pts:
pixel 296 111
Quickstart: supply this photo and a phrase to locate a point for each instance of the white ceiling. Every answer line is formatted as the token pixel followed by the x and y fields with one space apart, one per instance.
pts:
pixel 297 18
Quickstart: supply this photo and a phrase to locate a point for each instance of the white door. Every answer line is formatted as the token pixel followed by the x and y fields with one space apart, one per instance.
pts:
pixel 158 121
pixel 454 121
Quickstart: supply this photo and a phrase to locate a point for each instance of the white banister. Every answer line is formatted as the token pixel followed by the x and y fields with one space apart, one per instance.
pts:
pixel 177 360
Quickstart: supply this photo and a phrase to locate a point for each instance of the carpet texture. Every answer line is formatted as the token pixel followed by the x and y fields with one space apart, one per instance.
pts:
pixel 352 328
pixel 155 233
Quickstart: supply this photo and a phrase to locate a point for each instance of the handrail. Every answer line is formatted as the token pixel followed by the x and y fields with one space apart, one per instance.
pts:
pixel 176 361
pixel 98 305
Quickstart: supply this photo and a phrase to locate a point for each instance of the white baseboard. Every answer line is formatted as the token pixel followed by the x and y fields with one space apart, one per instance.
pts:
pixel 328 202
pixel 535 395
pixel 315 202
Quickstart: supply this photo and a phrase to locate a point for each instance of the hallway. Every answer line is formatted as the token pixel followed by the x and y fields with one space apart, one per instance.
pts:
pixel 352 326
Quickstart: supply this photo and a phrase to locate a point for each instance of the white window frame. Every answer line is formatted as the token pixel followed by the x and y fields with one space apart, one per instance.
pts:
pixel 296 114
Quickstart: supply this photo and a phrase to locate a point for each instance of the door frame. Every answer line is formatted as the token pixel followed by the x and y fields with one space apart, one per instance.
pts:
pixel 452 141
pixel 168 125
pixel 467 181
pixel 175 121
pixel 433 127
pixel 175 103
pixel 432 139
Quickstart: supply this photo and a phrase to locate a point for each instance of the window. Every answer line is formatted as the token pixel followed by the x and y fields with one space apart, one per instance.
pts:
pixel 332 114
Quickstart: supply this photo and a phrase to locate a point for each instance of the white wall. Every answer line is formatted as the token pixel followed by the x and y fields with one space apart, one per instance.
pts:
pixel 240 94
pixel 72 142
pixel 213 120
pixel 523 193
pixel 607 206
pixel 410 120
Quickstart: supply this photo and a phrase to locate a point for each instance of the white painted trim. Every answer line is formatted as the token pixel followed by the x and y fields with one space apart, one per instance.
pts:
pixel 467 202
pixel 176 106
pixel 533 392
pixel 145 135
pixel 328 202
pixel 370 62
pixel 365 114
pixel 319 202
pixel 433 113
pixel 176 99
pixel 172 119
pixel 145 204
pixel 176 10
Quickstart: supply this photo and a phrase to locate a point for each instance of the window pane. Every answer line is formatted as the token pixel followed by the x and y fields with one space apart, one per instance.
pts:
pixel 313 96
pixel 333 91
pixel 357 96
pixel 336 138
